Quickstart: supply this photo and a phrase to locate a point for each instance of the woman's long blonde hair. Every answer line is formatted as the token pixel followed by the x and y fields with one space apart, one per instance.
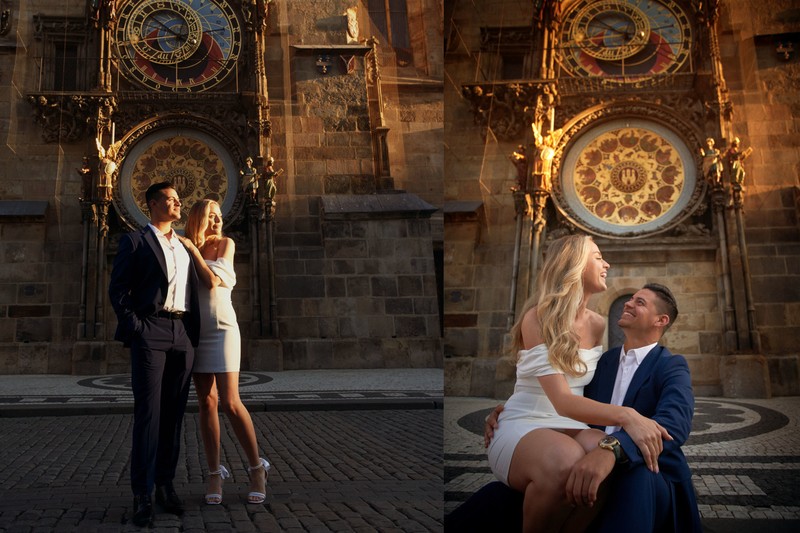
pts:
pixel 558 297
pixel 198 222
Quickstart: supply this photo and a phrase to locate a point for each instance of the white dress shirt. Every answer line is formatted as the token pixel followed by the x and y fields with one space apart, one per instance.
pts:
pixel 177 259
pixel 628 363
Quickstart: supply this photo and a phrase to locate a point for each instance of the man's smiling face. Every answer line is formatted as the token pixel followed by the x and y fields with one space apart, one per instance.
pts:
pixel 641 312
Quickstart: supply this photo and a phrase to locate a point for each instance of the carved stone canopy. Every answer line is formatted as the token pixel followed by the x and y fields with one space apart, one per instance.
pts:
pixel 66 117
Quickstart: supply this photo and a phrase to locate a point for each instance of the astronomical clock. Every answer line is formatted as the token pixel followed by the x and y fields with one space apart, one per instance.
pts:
pixel 627 163
pixel 625 41
pixel 180 60
pixel 178 45
pixel 626 177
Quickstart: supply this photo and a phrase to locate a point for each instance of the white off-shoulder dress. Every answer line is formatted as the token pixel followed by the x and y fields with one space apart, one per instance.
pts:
pixel 220 348
pixel 529 408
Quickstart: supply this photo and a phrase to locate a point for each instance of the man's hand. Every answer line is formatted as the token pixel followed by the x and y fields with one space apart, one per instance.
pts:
pixel 491 425
pixel 587 474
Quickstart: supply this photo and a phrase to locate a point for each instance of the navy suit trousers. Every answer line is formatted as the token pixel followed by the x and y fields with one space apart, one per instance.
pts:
pixel 161 367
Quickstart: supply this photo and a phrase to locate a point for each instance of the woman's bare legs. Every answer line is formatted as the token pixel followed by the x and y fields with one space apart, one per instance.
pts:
pixel 228 384
pixel 581 516
pixel 540 467
pixel 208 401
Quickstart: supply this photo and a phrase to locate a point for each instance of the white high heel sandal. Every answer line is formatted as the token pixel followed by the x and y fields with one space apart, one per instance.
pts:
pixel 258 497
pixel 216 499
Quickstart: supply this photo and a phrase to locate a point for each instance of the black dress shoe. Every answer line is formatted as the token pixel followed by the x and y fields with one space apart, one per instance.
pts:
pixel 167 498
pixel 143 510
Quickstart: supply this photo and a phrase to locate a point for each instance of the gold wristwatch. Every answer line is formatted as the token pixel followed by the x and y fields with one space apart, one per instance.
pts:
pixel 612 444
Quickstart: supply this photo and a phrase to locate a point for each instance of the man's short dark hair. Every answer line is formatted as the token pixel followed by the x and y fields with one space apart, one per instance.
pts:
pixel 154 191
pixel 666 301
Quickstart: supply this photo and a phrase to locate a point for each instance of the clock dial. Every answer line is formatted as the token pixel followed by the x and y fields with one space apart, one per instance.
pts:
pixel 627 177
pixel 178 45
pixel 195 162
pixel 626 39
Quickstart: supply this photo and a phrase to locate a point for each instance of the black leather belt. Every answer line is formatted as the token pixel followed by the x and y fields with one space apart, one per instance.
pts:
pixel 174 315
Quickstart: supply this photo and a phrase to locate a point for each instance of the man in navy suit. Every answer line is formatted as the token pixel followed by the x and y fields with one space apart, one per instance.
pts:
pixel 648 378
pixel 153 291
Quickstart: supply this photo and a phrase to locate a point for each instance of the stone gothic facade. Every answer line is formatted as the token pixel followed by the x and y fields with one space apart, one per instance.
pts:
pixel 317 125
pixel 668 130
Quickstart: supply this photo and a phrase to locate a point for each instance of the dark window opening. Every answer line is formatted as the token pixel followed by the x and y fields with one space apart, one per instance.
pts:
pixel 65 67
pixel 390 18
pixel 513 67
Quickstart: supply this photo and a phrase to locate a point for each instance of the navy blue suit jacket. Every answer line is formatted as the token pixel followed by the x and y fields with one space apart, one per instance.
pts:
pixel 139 286
pixel 660 389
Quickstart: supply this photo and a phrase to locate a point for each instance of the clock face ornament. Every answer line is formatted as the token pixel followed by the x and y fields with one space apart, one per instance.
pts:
pixel 178 45
pixel 195 162
pixel 627 177
pixel 627 39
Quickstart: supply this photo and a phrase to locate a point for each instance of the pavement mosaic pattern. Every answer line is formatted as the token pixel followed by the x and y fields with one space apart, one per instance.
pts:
pixel 332 471
pixel 260 391
pixel 744 455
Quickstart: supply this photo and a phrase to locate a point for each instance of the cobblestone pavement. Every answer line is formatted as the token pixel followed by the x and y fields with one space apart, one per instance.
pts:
pixel 354 470
pixel 744 455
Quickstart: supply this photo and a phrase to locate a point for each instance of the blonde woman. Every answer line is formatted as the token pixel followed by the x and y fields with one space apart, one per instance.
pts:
pixel 542 430
pixel 218 355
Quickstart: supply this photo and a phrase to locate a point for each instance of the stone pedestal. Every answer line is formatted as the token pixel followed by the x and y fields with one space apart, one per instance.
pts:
pixel 263 354
pixel 483 378
pixel 505 377
pixel 90 358
pixel 745 376
pixel 457 376
pixel 705 374
pixel 784 374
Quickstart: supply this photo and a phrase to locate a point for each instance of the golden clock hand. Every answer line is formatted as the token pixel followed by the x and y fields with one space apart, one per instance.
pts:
pixel 166 27
pixel 610 27
pixel 183 35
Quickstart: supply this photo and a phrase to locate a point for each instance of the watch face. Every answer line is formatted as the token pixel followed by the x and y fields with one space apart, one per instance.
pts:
pixel 178 45
pixel 608 440
pixel 195 162
pixel 626 177
pixel 626 39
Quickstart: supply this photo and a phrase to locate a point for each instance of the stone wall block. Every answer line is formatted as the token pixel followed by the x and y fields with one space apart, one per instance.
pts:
pixel 337 230
pixel 34 330
pixel 335 287
pixel 383 286
pixel 457 376
pixel 358 286
pixel 399 306
pixel 302 287
pixel 295 354
pixel 350 248
pixel 482 377
pixel 410 285
pixel 263 354
pixel 784 372
pixel 21 311
pixel 460 342
pixel 745 376
pixel 459 300
pixel 380 327
pixel 32 358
